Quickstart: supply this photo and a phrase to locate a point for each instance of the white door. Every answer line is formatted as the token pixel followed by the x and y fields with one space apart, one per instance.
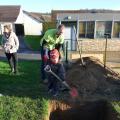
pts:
pixel 67 36
pixel 70 37
pixel 73 39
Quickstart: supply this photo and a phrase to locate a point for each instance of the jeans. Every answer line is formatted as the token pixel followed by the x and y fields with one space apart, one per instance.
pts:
pixel 13 60
pixel 43 63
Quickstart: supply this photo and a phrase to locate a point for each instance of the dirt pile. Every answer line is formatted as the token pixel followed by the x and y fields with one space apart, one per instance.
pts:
pixel 93 81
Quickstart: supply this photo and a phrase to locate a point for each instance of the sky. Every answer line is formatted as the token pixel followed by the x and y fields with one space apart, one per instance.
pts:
pixel 48 5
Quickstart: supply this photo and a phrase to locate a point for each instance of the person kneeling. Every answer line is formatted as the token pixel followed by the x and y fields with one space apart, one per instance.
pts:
pixel 56 67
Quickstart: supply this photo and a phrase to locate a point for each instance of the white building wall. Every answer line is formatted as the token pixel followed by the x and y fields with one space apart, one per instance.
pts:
pixel 20 17
pixel 32 26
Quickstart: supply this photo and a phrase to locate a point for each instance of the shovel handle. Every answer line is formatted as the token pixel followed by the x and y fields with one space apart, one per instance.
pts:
pixel 47 68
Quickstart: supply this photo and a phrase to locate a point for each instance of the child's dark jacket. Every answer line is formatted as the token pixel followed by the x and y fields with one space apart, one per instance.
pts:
pixel 58 69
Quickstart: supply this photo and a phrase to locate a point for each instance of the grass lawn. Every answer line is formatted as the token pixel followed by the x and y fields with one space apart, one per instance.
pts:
pixel 33 42
pixel 24 97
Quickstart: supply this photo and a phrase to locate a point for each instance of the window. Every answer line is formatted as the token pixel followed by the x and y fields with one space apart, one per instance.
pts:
pixel 116 30
pixel 90 29
pixel 102 28
pixel 86 29
pixel 82 26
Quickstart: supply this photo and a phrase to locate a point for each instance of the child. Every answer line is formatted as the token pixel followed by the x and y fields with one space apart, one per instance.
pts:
pixel 58 69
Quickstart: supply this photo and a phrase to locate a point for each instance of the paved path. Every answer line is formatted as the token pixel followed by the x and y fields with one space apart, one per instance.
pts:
pixel 26 55
pixel 24 52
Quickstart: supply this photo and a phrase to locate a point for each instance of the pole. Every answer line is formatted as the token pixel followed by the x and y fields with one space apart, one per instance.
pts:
pixel 66 51
pixel 1 28
pixel 77 41
pixel 105 53
pixel 79 48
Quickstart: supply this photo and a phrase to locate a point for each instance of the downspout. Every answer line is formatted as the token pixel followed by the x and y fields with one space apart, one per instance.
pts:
pixel 1 28
pixel 77 32
pixel 95 30
pixel 85 29
pixel 112 28
pixel 58 22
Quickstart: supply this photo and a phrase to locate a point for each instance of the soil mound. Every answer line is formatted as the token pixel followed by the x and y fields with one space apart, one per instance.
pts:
pixel 95 85
pixel 93 81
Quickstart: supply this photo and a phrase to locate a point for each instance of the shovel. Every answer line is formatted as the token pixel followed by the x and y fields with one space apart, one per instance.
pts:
pixel 73 92
pixel 79 48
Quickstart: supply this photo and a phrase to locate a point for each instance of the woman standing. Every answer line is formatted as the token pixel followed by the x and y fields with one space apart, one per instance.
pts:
pixel 10 44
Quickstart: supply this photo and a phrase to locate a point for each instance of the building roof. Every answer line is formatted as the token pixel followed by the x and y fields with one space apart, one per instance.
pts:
pixel 89 16
pixel 86 11
pixel 31 15
pixel 9 13
pixel 45 17
pixel 86 14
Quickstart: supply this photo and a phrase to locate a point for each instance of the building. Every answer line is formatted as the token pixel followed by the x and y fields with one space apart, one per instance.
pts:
pixel 45 17
pixel 22 22
pixel 90 27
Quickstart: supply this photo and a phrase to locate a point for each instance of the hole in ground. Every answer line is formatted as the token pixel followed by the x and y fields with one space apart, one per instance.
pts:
pixel 97 110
